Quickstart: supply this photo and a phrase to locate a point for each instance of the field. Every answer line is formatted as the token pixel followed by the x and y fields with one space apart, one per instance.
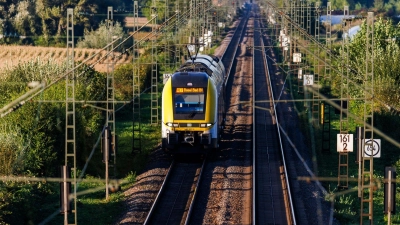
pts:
pixel 10 56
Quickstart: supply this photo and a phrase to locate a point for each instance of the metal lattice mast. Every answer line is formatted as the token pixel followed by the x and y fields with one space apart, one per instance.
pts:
pixel 188 28
pixel 167 36
pixel 197 14
pixel 343 167
pixel 292 42
pixel 136 136
pixel 302 16
pixel 70 129
pixel 316 98
pixel 308 18
pixel 283 27
pixel 367 183
pixel 110 118
pixel 154 74
pixel 328 41
pixel 326 123
pixel 177 45
pixel 297 37
pixel 296 40
pixel 202 18
pixel 191 23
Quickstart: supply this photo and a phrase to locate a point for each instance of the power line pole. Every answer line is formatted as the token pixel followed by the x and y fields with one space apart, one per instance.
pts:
pixel 110 119
pixel 136 120
pixel 316 99
pixel 367 183
pixel 154 72
pixel 326 108
pixel 70 129
pixel 343 168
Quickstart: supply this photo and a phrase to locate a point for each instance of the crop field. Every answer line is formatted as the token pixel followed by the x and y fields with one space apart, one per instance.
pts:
pixel 10 56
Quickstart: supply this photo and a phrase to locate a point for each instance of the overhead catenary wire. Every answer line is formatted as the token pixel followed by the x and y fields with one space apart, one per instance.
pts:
pixel 327 50
pixel 34 92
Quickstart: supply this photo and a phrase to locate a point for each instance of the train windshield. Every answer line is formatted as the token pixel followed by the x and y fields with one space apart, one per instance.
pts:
pixel 189 103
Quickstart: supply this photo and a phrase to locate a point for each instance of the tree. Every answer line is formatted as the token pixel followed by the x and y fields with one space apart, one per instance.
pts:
pixel 386 54
pixel 99 38
pixel 378 4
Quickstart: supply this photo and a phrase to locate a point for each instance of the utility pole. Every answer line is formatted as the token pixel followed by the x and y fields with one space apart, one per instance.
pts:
pixel 70 129
pixel 110 118
pixel 326 108
pixel 367 176
pixel 154 67
pixel 136 120
pixel 316 99
pixel 343 168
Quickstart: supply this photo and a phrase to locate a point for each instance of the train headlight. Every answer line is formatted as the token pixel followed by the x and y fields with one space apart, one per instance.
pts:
pixel 204 125
pixel 172 124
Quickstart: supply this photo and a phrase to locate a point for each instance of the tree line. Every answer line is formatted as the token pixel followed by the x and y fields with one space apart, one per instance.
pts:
pixel 43 22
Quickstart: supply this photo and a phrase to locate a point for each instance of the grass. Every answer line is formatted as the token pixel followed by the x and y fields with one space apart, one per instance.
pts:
pixel 93 208
pixel 12 55
pixel 347 204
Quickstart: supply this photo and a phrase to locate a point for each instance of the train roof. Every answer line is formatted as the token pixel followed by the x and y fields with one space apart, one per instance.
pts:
pixel 204 63
pixel 210 65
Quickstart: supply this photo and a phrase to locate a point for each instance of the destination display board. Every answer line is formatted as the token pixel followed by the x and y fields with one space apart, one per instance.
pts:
pixel 189 90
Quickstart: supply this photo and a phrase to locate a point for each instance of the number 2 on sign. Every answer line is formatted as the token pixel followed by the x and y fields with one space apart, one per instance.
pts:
pixel 345 142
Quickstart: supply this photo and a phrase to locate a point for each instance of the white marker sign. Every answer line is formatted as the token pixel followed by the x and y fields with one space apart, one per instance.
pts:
pixel 345 142
pixel 297 57
pixel 308 80
pixel 372 148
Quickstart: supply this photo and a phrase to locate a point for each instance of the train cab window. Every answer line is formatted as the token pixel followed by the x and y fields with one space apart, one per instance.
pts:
pixel 187 103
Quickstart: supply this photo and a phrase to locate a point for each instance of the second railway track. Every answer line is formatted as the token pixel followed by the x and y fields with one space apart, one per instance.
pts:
pixel 271 192
pixel 225 194
pixel 177 194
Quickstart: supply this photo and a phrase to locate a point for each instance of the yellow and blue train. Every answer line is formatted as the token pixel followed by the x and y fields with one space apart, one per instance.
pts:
pixel 193 106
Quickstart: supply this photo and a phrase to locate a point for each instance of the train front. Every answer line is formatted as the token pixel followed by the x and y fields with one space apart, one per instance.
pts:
pixel 189 113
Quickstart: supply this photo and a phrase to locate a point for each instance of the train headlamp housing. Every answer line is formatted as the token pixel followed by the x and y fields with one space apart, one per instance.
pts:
pixel 204 125
pixel 172 124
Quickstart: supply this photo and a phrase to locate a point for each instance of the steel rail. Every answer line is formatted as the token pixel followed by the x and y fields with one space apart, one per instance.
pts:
pixel 152 209
pixel 195 194
pixel 293 217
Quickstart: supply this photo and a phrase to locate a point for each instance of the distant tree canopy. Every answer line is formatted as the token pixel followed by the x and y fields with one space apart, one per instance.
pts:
pixel 47 18
pixel 386 54
pixel 100 38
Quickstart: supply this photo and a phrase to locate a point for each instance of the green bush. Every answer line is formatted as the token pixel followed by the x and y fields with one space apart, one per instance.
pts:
pixel 100 38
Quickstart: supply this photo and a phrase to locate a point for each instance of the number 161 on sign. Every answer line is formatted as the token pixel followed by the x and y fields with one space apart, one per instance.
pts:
pixel 344 142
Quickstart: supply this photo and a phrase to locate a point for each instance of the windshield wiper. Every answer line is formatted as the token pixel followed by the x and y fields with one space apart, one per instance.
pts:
pixel 191 115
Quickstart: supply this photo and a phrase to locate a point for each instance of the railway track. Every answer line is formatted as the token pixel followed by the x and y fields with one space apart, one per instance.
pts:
pixel 226 187
pixel 175 199
pixel 272 203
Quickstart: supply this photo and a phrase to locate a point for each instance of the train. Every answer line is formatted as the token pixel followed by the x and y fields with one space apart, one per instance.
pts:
pixel 193 106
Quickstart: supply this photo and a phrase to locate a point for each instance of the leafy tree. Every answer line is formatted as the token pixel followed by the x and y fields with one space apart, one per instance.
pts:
pixel 99 38
pixel 386 57
pixel 123 80
pixel 32 138
pixel 24 20
pixel 378 4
